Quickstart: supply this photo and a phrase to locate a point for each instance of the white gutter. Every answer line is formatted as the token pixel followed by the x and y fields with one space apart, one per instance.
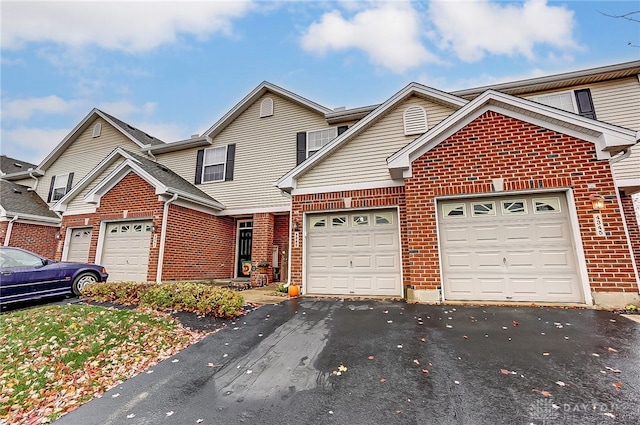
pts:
pixel 626 153
pixel 35 186
pixel 163 234
pixel 7 236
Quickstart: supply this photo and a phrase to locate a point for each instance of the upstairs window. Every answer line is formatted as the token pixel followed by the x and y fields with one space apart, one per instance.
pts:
pixel 213 165
pixel 578 102
pixel 266 107
pixel 60 186
pixel 415 120
pixel 318 138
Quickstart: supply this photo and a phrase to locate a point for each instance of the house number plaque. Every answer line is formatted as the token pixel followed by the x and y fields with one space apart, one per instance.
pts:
pixel 599 226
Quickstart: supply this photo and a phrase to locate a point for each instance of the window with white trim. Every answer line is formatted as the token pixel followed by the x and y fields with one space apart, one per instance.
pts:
pixel 415 120
pixel 564 100
pixel 318 138
pixel 59 187
pixel 213 164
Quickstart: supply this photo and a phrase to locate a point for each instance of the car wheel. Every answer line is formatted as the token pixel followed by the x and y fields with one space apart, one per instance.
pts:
pixel 82 280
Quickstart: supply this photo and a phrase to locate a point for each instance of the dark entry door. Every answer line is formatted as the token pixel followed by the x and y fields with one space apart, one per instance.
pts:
pixel 244 251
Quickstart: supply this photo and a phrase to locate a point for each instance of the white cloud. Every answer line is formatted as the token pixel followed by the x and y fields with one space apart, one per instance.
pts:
pixel 389 33
pixel 23 109
pixel 167 132
pixel 472 29
pixel 125 110
pixel 31 144
pixel 127 26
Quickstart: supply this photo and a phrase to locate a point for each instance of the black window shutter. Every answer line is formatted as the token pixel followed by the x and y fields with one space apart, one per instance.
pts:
pixel 69 183
pixel 342 129
pixel 301 147
pixel 585 104
pixel 231 157
pixel 53 181
pixel 199 162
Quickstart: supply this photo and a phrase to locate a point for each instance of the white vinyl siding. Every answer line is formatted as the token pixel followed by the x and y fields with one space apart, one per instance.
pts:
pixel 84 154
pixel 265 151
pixel 77 204
pixel 363 159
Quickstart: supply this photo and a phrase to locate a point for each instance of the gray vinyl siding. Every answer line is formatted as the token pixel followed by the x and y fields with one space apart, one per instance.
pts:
pixel 84 154
pixel 364 159
pixel 265 151
pixel 77 204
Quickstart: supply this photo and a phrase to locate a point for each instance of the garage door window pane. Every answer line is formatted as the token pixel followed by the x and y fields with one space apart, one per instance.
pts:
pixel 113 228
pixel 383 218
pixel 360 220
pixel 483 208
pixel 454 210
pixel 318 221
pixel 137 228
pixel 546 205
pixel 514 207
pixel 339 221
pixel 125 228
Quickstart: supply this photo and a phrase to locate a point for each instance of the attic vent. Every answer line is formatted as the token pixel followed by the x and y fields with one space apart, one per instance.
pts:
pixel 163 168
pixel 17 165
pixel 150 137
pixel 131 127
pixel 415 120
pixel 97 129
pixel 266 107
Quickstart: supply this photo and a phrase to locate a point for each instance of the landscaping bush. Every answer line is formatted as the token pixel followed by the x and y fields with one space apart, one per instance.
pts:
pixel 193 297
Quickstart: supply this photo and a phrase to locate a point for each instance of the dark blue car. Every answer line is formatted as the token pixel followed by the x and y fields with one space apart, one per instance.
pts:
pixel 26 276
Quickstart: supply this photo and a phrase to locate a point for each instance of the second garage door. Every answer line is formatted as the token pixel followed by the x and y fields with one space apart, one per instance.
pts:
pixel 79 243
pixel 354 253
pixel 125 252
pixel 508 249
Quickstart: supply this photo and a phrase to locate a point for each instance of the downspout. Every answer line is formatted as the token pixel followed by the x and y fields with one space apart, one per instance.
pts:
pixel 163 235
pixel 7 236
pixel 35 186
pixel 151 155
pixel 626 153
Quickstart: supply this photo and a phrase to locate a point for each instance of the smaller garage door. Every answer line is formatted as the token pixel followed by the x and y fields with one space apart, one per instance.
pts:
pixel 354 253
pixel 125 251
pixel 79 243
pixel 516 248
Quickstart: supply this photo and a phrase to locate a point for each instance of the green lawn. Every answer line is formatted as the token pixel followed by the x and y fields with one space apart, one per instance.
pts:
pixel 52 359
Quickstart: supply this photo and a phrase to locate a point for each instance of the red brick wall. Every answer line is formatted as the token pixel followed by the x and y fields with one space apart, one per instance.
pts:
pixel 262 243
pixel 527 157
pixel 632 225
pixel 280 229
pixel 198 245
pixel 32 237
pixel 360 199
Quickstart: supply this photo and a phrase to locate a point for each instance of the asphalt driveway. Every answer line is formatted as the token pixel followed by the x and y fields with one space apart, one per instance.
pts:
pixel 401 364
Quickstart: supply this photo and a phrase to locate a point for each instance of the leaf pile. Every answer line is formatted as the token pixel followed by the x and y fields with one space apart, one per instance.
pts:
pixel 53 359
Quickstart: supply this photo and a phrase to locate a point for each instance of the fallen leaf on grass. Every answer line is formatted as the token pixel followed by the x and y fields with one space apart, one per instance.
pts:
pixel 595 354
pixel 515 323
pixel 416 361
pixel 612 349
pixel 423 339
pixel 613 370
pixel 170 413
pixel 383 380
pixel 370 357
pixel 505 372
pixel 618 385
pixel 543 393
pixel 545 354
pixel 131 416
pixel 562 384
pixel 425 371
pixel 342 368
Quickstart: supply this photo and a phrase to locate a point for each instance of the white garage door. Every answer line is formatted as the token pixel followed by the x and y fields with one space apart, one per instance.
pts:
pixel 79 243
pixel 517 248
pixel 125 252
pixel 355 253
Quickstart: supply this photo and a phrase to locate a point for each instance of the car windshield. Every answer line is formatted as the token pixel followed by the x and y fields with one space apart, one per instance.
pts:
pixel 17 258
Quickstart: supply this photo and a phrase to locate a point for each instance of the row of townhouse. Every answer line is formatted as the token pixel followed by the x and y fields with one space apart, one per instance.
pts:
pixel 516 192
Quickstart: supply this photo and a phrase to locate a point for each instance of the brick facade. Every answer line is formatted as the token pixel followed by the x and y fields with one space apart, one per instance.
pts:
pixel 529 158
pixel 262 245
pixel 198 245
pixel 32 237
pixel 633 227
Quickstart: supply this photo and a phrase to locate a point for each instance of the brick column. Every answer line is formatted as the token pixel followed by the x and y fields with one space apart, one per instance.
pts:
pixel 632 225
pixel 262 245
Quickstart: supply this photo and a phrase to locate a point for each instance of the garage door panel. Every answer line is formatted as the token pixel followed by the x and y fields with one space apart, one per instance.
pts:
pixel 125 250
pixel 79 243
pixel 362 259
pixel 523 252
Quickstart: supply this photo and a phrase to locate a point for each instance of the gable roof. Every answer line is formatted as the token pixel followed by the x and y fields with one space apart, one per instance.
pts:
pixel 19 201
pixel 10 165
pixel 138 137
pixel 165 181
pixel 551 82
pixel 608 138
pixel 287 182
pixel 254 95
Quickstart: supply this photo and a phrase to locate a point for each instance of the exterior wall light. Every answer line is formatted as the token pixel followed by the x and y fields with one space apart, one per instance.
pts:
pixel 597 201
pixel 296 226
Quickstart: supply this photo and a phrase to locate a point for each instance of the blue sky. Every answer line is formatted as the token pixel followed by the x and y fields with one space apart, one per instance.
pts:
pixel 173 68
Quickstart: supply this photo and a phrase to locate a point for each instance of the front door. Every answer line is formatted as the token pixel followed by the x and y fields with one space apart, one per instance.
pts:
pixel 245 235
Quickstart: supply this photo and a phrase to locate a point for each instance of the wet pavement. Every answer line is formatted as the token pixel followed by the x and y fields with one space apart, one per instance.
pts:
pixel 402 364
